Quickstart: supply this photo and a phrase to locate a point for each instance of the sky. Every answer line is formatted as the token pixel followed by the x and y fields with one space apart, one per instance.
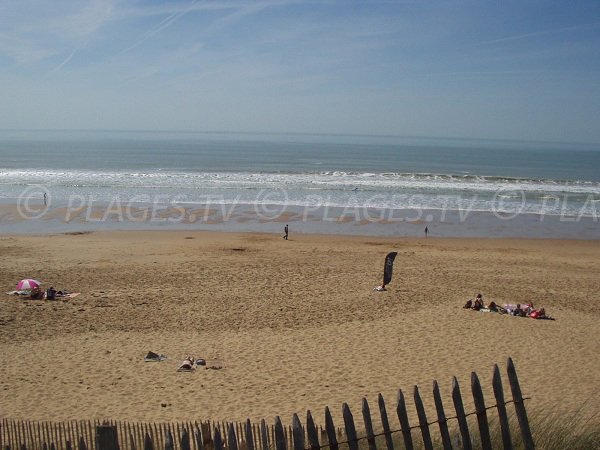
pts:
pixel 524 70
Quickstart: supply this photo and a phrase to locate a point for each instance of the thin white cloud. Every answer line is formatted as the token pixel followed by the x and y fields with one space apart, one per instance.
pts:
pixel 85 21
pixel 163 24
pixel 23 50
pixel 64 63
pixel 176 12
pixel 35 31
pixel 519 37
pixel 82 25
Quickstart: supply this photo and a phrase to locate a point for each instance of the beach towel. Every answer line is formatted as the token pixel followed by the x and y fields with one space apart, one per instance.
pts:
pixel 154 357
pixel 69 295
pixel 187 365
pixel 214 364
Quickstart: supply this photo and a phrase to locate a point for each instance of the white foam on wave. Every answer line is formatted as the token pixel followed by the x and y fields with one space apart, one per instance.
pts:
pixel 337 188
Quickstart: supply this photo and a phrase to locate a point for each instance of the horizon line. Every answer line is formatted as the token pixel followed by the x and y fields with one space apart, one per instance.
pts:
pixel 300 133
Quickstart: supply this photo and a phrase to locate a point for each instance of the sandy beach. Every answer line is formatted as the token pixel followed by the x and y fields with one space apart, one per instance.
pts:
pixel 295 325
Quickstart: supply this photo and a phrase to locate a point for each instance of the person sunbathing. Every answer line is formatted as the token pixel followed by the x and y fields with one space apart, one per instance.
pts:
pixel 493 307
pixel 538 314
pixel 469 304
pixel 528 308
pixel 478 303
pixel 51 293
pixel 187 364
pixel 37 293
pixel 518 311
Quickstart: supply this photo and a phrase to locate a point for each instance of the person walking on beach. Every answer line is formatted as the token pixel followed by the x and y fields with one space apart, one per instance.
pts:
pixel 285 230
pixel 426 231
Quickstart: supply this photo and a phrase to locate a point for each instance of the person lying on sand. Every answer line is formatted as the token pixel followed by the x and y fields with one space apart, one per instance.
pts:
pixel 187 365
pixel 478 303
pixel 51 293
pixel 540 314
pixel 518 311
pixel 37 293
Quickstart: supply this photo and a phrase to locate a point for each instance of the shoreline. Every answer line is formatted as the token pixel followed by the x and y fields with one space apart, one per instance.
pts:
pixel 362 221
pixel 189 234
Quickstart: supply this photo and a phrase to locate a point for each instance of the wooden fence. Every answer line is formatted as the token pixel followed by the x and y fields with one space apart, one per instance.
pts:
pixel 450 432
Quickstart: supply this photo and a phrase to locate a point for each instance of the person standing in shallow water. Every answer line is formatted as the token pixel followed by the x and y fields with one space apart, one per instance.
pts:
pixel 426 231
pixel 285 230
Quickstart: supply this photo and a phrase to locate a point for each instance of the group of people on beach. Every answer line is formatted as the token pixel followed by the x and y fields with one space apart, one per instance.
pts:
pixel 51 294
pixel 517 310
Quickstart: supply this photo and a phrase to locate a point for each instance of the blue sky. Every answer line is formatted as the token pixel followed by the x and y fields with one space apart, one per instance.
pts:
pixel 475 69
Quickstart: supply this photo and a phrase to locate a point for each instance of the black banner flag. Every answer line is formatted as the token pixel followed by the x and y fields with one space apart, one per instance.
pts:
pixel 389 266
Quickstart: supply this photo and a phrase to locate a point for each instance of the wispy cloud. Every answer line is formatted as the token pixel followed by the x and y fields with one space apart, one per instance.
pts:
pixel 36 31
pixel 23 50
pixel 63 63
pixel 80 27
pixel 163 24
pixel 534 34
pixel 174 12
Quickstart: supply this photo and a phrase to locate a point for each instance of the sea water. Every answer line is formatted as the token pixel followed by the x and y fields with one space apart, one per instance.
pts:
pixel 303 173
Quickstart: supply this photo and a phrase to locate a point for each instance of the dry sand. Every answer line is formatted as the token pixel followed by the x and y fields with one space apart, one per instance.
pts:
pixel 295 324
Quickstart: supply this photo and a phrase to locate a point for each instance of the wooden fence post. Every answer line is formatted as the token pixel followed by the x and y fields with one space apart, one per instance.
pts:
pixel 47 439
pixel 217 441
pixel 519 406
pixel 460 414
pixel 385 423
pixel 297 433
pixel 311 431
pixel 256 434
pixel 264 435
pixel 441 416
pixel 81 444
pixel 207 441
pixel 249 435
pixel 148 444
pixel 280 443
pixel 238 432
pixel 423 424
pixel 167 437
pixel 501 407
pixel 106 437
pixel 484 429
pixel 185 440
pixel 330 428
pixel 350 429
pixel 404 423
pixel 366 412
pixel 198 437
pixel 19 442
pixel 231 438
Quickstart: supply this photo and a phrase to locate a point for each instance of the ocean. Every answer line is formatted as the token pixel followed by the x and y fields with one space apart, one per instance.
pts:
pixel 553 182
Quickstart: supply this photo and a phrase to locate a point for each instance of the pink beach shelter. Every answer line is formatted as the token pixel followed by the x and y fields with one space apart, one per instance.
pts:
pixel 27 284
